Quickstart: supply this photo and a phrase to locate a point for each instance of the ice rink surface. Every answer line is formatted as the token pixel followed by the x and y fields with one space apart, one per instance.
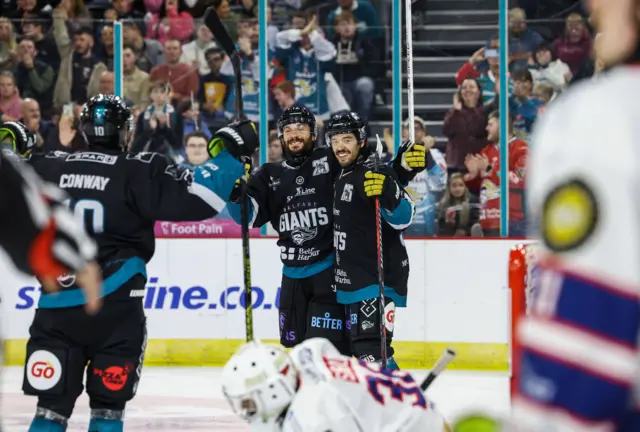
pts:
pixel 189 399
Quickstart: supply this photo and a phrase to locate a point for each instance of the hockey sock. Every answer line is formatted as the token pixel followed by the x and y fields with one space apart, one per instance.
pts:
pixel 105 425
pixel 46 425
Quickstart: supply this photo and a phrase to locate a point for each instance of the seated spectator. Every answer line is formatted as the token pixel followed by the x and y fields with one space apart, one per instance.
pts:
pixel 135 81
pixel 484 174
pixel 285 96
pixel 230 19
pixel 275 148
pixel 306 56
pixel 464 126
pixel 589 67
pixel 523 106
pixel 64 136
pixel 366 17
pixel 193 53
pixel 8 45
pixel 123 10
pixel 76 64
pixel 24 7
pixel 355 65
pixel 33 26
pixel 170 22
pixel 545 69
pixel 522 40
pixel 77 14
pixel 149 52
pixel 545 94
pixel 10 101
pixel 458 210
pixel 574 47
pixel 32 119
pixel 484 65
pixel 191 120
pixel 182 77
pixel 213 88
pixel 34 78
pixel 195 145
pixel 105 50
pixel 156 125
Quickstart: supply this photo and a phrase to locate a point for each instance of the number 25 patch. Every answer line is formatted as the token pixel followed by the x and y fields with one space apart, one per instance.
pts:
pixel 569 216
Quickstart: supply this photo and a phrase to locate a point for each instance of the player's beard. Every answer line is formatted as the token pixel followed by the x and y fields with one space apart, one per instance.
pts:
pixel 617 23
pixel 302 145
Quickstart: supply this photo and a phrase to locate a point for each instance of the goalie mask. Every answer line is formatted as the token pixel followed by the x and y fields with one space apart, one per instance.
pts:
pixel 259 382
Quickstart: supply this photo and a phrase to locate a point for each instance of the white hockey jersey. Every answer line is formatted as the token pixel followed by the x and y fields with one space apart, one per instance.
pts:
pixel 579 359
pixel 343 394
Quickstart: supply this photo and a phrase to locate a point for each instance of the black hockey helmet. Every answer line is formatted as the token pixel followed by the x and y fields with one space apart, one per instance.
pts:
pixel 106 121
pixel 15 137
pixel 347 122
pixel 294 115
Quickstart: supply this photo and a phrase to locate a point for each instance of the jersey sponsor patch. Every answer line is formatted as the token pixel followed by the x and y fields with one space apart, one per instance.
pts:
pixel 569 216
pixel 145 157
pixel 92 157
pixel 44 370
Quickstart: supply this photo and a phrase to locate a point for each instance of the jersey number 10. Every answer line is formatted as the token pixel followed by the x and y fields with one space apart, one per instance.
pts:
pixel 85 208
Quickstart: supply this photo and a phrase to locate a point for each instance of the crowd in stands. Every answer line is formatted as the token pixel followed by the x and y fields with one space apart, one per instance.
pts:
pixel 179 85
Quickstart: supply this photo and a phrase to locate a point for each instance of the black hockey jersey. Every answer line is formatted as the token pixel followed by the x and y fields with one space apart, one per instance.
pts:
pixel 119 196
pixel 297 200
pixel 354 222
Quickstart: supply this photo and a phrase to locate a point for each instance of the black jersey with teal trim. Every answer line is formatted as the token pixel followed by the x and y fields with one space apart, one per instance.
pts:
pixel 356 257
pixel 119 196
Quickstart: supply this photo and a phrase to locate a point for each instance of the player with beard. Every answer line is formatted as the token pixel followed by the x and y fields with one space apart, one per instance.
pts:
pixel 354 228
pixel 296 197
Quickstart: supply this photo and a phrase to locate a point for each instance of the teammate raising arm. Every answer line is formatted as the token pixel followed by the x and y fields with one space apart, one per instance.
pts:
pixel 315 389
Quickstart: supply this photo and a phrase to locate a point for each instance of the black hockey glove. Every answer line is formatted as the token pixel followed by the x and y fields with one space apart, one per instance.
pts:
pixel 236 192
pixel 238 138
pixel 379 185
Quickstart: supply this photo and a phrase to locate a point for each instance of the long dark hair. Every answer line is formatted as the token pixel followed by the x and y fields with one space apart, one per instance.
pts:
pixel 480 99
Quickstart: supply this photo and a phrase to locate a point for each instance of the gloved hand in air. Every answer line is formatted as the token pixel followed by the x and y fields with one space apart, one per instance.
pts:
pixel 240 139
pixel 380 185
pixel 236 192
pixel 413 156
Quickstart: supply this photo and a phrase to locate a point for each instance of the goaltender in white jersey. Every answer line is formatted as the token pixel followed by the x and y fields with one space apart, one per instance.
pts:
pixel 315 389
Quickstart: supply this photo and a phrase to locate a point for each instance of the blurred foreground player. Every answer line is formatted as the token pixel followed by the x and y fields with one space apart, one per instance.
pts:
pixel 315 389
pixel 580 365
pixel 119 196
pixel 38 232
pixel 358 185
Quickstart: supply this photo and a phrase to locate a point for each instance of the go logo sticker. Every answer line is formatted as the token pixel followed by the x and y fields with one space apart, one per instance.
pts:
pixel 43 370
pixel 390 315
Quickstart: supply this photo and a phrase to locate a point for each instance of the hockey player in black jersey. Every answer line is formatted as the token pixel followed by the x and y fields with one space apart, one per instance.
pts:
pixel 119 196
pixel 354 222
pixel 296 197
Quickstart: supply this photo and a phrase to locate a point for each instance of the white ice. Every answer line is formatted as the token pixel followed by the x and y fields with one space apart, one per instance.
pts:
pixel 189 399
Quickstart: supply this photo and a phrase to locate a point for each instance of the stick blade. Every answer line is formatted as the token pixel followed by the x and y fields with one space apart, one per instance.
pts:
pixel 219 31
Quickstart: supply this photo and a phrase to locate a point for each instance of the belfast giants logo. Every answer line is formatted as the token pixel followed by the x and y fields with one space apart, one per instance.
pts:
pixel 303 223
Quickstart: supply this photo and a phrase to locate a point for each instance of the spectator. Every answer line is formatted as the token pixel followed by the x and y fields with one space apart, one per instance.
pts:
pixel 106 83
pixel 105 50
pixel 24 7
pixel 545 93
pixel 285 95
pixel 156 126
pixel 193 53
pixel 191 120
pixel 588 67
pixel 33 27
pixel 464 125
pixel 32 119
pixel 8 45
pixel 272 30
pixel 522 40
pixel 64 136
pixel 77 14
pixel 306 56
pixel 195 145
pixel 522 105
pixel 275 148
pixel 574 47
pixel 484 172
pixel 123 10
pixel 458 210
pixel 213 88
pixel 366 17
pixel 355 65
pixel 182 77
pixel 545 69
pixel 135 82
pixel 149 52
pixel 76 65
pixel 230 20
pixel 34 78
pixel 10 102
pixel 171 22
pixel 484 65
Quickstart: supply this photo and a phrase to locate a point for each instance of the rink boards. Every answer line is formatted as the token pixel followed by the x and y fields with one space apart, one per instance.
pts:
pixel 458 298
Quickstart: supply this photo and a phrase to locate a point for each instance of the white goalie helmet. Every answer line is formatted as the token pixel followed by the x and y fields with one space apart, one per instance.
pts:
pixel 259 381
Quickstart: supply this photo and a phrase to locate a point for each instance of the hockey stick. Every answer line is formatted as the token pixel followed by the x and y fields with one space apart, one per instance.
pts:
pixel 409 44
pixel 221 34
pixel 383 318
pixel 440 365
